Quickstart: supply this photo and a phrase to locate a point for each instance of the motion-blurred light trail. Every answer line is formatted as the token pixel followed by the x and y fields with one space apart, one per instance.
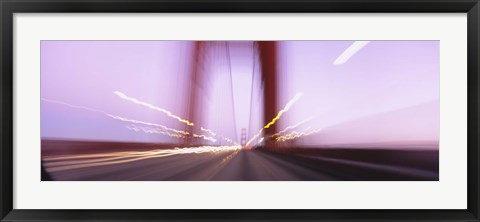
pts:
pixel 254 137
pixel 296 134
pixel 350 51
pixel 150 106
pixel 261 140
pixel 230 140
pixel 274 120
pixel 205 137
pixel 239 111
pixel 137 128
pixel 208 131
pixel 123 119
pixel 70 162
pixel 285 109
pixel 292 127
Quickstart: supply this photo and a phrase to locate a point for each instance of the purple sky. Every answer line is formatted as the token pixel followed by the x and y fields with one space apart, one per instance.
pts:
pixel 387 92
pixel 392 84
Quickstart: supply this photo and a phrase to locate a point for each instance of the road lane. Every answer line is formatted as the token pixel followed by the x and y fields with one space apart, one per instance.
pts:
pixel 233 165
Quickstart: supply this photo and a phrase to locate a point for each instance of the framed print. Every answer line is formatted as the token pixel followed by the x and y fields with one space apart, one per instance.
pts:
pixel 253 111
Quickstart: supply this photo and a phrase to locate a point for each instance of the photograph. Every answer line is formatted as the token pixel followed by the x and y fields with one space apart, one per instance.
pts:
pixel 178 110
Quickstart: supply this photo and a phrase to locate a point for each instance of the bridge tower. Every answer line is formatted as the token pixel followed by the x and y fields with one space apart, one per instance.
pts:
pixel 243 137
pixel 268 60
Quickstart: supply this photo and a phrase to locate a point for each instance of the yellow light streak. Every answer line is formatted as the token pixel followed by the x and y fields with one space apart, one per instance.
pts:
pixel 150 106
pixel 274 120
pixel 285 109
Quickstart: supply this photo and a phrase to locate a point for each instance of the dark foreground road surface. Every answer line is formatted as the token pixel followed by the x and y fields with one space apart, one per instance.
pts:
pixel 236 164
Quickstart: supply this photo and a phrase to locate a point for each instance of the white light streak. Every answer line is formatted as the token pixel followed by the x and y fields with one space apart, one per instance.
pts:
pixel 123 119
pixel 150 106
pixel 292 127
pixel 208 131
pixel 70 162
pixel 350 51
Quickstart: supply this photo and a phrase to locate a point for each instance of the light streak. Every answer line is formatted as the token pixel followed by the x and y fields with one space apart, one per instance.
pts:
pixel 208 131
pixel 285 109
pixel 274 120
pixel 261 139
pixel 70 162
pixel 205 137
pixel 123 119
pixel 295 134
pixel 254 137
pixel 146 123
pixel 292 127
pixel 134 127
pixel 350 51
pixel 230 141
pixel 150 106
pixel 154 130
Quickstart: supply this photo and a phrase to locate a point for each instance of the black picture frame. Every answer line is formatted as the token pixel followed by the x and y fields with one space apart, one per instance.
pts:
pixel 9 7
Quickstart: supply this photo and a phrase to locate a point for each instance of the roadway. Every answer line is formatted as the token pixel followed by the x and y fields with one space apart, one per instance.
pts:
pixel 229 165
